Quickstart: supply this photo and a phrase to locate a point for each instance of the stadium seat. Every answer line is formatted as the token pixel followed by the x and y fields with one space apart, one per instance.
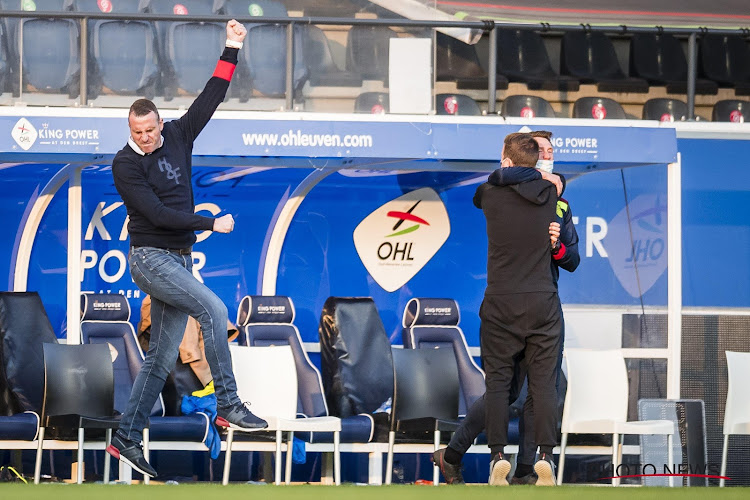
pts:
pixel 51 54
pixel 527 106
pixel 23 323
pixel 659 59
pixel 268 320
pixel 105 320
pixel 425 403
pixel 737 409
pixel 724 59
pixel 599 108
pixel 122 54
pixel 731 110
pixel 323 70
pixel 665 110
pixel 367 50
pixel 597 403
pixel 4 59
pixel 376 103
pixel 456 104
pixel 275 400
pixel 189 51
pixel 81 401
pixel 264 52
pixel 590 57
pixel 458 62
pixel 522 57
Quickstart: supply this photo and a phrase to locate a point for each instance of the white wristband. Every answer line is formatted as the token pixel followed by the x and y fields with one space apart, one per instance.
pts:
pixel 233 44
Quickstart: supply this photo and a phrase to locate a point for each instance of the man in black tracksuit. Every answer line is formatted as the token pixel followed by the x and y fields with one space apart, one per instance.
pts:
pixel 521 312
pixel 153 175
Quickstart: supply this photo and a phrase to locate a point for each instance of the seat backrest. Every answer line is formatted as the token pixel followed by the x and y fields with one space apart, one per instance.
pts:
pixel 456 104
pixel 267 379
pixel 522 52
pixel 589 55
pixel 527 106
pixel 657 57
pixel 724 58
pixel 456 59
pixel 78 380
pixel 737 410
pixel 599 108
pixel 597 386
pixel 24 327
pixel 105 320
pixel 425 385
pixel 731 110
pixel 376 103
pixel 433 324
pixel 265 49
pixel 268 321
pixel 367 51
pixel 318 54
pixel 665 110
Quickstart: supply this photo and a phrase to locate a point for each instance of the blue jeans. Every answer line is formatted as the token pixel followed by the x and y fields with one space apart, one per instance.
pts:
pixel 175 294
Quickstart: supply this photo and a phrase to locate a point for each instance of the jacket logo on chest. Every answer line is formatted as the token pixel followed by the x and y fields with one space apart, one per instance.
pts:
pixel 172 173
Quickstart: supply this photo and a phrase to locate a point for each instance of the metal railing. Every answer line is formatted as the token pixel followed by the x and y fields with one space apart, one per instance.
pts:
pixel 291 22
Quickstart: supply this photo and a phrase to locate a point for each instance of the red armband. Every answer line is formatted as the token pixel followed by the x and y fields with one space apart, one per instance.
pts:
pixel 560 252
pixel 224 70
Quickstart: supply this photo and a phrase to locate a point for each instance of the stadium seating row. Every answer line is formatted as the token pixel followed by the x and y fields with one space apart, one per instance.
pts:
pixel 135 57
pixel 528 106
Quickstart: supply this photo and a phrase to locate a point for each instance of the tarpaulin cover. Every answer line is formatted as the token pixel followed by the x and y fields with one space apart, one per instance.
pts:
pixel 355 356
pixel 24 327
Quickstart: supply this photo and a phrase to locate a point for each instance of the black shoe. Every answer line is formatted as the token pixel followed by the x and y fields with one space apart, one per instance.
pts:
pixel 131 453
pixel 545 470
pixel 499 470
pixel 524 480
pixel 451 473
pixel 240 417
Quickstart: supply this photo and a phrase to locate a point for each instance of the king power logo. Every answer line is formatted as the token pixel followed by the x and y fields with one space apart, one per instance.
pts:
pixel 24 134
pixel 395 241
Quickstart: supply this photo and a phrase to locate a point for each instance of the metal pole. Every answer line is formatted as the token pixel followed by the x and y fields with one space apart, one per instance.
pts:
pixel 692 71
pixel 674 277
pixel 84 60
pixel 492 70
pixel 74 256
pixel 290 67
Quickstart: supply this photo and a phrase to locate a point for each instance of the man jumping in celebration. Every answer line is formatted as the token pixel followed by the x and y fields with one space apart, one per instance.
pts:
pixel 152 174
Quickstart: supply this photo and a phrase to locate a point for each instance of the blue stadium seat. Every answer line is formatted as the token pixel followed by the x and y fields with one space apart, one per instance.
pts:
pixel 590 57
pixel 367 51
pixel 456 104
pixel 264 51
pixel 724 59
pixel 105 320
pixel 599 108
pixel 122 54
pixel 659 59
pixel 51 54
pixel 522 57
pixel 267 321
pixel 665 110
pixel 527 106
pixel 4 59
pixel 189 51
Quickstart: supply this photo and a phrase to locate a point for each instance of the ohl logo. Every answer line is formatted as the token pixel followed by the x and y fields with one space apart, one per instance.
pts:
pixel 394 253
pixel 404 216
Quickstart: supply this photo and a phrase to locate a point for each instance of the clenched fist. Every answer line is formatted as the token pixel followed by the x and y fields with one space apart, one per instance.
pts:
pixel 236 31
pixel 224 224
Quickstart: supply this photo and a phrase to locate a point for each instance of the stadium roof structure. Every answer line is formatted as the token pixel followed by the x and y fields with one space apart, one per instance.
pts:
pixel 667 13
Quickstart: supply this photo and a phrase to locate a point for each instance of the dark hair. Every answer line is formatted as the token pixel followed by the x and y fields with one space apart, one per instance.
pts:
pixel 521 149
pixel 142 107
pixel 542 133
